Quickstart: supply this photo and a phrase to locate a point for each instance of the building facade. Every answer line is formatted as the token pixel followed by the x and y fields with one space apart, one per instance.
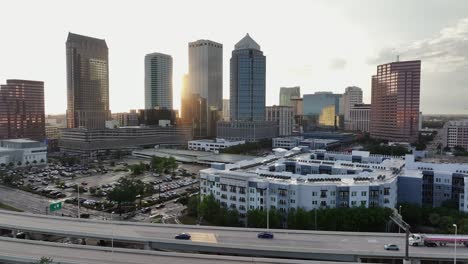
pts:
pixel 22 152
pixel 284 116
pixel 249 131
pixel 359 118
pixel 157 117
pixel 87 82
pixel 226 112
pixel 351 96
pixel 22 110
pixel 203 98
pixel 322 109
pixel 126 119
pixel 395 101
pixel 92 143
pixel 158 81
pixel 212 144
pixel 305 181
pixel 247 91
pixel 287 93
pixel 456 134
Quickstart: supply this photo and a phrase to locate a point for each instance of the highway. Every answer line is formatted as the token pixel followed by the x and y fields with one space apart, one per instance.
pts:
pixel 318 245
pixel 27 251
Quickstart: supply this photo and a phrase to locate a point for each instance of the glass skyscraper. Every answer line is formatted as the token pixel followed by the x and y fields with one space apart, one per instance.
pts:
pixel 87 82
pixel 247 94
pixel 286 93
pixel 158 81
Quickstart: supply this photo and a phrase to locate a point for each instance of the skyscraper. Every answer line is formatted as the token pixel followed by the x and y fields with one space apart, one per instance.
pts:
pixel 22 110
pixel 87 82
pixel 352 96
pixel 226 112
pixel 248 71
pixel 286 93
pixel 395 101
pixel 204 96
pixel 158 81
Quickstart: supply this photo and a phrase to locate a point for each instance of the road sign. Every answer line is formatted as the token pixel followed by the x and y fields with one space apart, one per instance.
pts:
pixel 55 206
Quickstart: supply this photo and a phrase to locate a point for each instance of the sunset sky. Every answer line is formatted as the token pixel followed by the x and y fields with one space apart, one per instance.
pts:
pixel 318 45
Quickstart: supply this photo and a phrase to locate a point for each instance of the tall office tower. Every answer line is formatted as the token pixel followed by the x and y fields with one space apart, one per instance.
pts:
pixel 87 82
pixel 286 93
pixel 158 81
pixel 205 87
pixel 322 109
pixel 226 112
pixel 284 116
pixel 22 110
pixel 395 101
pixel 247 97
pixel 352 96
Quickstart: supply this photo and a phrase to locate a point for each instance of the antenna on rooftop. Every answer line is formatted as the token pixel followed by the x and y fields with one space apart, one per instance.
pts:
pixel 398 58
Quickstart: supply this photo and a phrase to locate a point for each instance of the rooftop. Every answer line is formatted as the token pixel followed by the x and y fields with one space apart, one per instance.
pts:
pixel 247 43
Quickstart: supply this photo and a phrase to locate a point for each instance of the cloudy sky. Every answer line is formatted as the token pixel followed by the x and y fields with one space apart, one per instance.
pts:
pixel 318 45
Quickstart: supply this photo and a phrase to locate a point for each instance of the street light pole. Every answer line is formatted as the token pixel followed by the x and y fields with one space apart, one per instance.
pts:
pixel 112 229
pixel 399 212
pixel 455 247
pixel 267 205
pixel 78 192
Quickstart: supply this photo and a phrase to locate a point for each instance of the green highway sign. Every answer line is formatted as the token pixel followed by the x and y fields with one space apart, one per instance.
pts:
pixel 55 206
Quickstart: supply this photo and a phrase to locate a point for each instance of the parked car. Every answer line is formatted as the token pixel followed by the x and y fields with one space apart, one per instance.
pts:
pixel 391 247
pixel 183 236
pixel 265 235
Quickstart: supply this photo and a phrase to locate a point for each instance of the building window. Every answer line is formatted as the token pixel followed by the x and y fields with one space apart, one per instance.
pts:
pixel 363 193
pixel 353 193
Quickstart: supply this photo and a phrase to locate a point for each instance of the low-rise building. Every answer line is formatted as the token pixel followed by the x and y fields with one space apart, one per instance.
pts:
pixel 91 143
pixel 456 134
pixel 284 116
pixel 359 118
pixel 212 144
pixel 286 142
pixel 305 181
pixel 22 152
pixel 249 131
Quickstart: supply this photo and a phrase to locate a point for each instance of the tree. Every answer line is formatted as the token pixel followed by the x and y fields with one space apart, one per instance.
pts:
pixel 434 219
pixel 34 161
pixel 42 160
pixel 192 205
pixel 19 163
pixel 45 260
pixel 126 191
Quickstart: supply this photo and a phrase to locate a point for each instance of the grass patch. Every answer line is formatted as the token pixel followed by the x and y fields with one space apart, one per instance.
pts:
pixel 9 208
pixel 188 220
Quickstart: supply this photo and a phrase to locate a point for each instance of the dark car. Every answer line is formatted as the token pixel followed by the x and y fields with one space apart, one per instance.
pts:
pixel 265 235
pixel 183 236
pixel 391 247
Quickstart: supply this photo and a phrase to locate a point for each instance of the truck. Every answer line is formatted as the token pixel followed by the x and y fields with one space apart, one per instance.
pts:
pixel 431 240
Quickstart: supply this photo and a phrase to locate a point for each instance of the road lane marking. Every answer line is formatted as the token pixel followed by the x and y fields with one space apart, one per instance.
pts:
pixel 372 241
pixel 203 237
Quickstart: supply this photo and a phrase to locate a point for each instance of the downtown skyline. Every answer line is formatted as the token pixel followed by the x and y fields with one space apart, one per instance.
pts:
pixel 314 57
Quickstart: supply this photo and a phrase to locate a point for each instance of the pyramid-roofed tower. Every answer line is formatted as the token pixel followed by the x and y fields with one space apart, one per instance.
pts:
pixel 247 43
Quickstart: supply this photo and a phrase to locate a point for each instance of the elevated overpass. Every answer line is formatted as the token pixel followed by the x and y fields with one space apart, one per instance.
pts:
pixel 27 251
pixel 292 244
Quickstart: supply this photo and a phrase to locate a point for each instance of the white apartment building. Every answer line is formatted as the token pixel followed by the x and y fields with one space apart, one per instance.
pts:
pixel 22 152
pixel 352 96
pixel 286 142
pixel 303 182
pixel 284 115
pixel 212 145
pixel 359 118
pixel 456 134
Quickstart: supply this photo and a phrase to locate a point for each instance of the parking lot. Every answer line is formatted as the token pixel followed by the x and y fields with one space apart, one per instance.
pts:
pixel 60 183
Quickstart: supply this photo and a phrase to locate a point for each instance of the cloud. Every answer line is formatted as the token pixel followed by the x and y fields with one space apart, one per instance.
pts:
pixel 444 60
pixel 338 64
pixel 444 52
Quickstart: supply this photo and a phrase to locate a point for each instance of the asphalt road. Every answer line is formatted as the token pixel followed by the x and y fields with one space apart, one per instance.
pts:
pixel 33 203
pixel 307 241
pixel 34 250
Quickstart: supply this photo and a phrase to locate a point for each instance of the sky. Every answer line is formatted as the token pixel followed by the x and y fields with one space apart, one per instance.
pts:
pixel 319 45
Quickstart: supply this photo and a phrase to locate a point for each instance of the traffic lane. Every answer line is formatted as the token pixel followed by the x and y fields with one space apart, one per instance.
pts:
pixel 311 241
pixel 34 250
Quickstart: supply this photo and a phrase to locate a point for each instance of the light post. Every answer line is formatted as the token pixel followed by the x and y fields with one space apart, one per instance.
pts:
pixel 399 212
pixel 112 230
pixel 267 205
pixel 78 193
pixel 455 246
